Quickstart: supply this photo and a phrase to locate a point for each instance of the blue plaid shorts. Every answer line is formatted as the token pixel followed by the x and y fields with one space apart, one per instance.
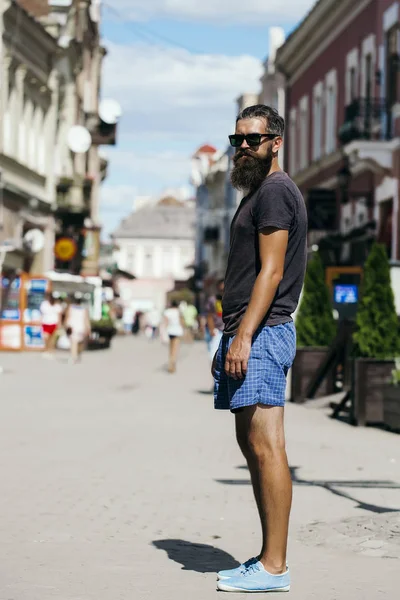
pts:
pixel 272 354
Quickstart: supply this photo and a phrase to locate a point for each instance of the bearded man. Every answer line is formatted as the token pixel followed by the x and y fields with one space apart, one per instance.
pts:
pixel 263 281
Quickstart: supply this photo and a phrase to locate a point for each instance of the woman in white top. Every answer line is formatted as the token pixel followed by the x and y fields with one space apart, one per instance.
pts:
pixel 51 312
pixel 77 323
pixel 173 323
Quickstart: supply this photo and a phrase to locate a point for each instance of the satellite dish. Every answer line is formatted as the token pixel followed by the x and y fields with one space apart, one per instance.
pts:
pixel 79 139
pixel 34 239
pixel 109 111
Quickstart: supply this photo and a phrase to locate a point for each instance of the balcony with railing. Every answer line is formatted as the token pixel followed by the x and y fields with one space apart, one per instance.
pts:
pixel 366 119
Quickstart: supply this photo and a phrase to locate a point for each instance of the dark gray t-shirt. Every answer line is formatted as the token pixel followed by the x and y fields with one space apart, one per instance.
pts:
pixel 277 203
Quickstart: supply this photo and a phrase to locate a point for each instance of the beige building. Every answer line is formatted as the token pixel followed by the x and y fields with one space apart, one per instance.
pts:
pixel 51 171
pixel 157 246
pixel 29 97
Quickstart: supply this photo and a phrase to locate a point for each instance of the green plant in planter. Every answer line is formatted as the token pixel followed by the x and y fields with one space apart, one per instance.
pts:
pixel 315 324
pixel 395 378
pixel 377 327
pixel 105 322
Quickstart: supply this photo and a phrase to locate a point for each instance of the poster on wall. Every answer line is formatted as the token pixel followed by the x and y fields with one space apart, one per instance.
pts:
pixel 10 337
pixel 11 293
pixel 35 295
pixel 33 337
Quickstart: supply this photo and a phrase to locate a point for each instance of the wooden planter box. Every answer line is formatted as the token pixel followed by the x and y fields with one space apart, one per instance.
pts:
pixel 101 337
pixel 391 407
pixel 370 378
pixel 304 368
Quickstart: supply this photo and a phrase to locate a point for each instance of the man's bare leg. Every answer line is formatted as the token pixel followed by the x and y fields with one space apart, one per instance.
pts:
pixel 260 433
pixel 242 425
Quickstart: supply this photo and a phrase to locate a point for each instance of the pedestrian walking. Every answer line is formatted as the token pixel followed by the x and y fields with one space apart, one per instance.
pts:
pixel 264 277
pixel 189 313
pixel 127 319
pixel 174 326
pixel 51 312
pixel 215 324
pixel 77 323
pixel 153 320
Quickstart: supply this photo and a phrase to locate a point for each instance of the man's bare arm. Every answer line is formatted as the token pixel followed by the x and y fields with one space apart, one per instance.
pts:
pixel 273 245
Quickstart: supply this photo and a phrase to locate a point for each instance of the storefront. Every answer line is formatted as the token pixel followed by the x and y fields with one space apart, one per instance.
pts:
pixel 20 322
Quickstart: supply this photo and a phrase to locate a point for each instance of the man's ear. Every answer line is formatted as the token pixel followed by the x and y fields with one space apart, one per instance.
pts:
pixel 277 144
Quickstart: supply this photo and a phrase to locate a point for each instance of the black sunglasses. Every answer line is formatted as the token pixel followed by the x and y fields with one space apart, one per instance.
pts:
pixel 252 139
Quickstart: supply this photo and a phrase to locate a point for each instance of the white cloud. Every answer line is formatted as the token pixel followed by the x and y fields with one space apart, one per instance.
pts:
pixel 118 201
pixel 118 197
pixel 172 102
pixel 146 163
pixel 231 11
pixel 172 91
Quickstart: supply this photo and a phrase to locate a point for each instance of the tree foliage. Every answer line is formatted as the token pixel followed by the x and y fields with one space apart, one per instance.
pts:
pixel 377 326
pixel 315 324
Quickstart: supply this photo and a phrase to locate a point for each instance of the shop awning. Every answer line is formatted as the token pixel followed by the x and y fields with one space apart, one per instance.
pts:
pixel 66 283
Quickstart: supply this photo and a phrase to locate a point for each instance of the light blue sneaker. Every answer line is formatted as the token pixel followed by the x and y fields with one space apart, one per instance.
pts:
pixel 237 571
pixel 256 579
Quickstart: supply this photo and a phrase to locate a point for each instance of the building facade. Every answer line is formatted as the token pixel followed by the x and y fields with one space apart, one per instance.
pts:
pixel 343 124
pixel 273 84
pixel 157 246
pixel 29 100
pixel 79 174
pixel 51 76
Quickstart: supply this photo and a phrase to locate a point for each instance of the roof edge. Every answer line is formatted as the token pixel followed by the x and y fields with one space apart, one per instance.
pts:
pixel 317 12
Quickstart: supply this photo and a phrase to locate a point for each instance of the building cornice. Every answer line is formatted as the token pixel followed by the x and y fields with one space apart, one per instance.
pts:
pixel 302 177
pixel 23 19
pixel 24 172
pixel 319 29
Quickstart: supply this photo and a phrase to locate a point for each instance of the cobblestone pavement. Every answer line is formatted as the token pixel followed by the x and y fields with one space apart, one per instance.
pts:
pixel 119 481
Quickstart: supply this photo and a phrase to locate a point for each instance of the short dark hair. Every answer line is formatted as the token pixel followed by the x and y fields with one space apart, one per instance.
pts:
pixel 275 123
pixel 174 303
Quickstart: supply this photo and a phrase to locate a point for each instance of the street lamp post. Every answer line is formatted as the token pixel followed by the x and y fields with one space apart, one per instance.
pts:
pixel 4 248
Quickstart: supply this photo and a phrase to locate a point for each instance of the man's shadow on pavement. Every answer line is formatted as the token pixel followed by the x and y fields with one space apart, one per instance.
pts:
pixel 201 558
pixel 334 487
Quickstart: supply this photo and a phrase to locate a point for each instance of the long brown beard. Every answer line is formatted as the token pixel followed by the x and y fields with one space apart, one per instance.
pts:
pixel 248 174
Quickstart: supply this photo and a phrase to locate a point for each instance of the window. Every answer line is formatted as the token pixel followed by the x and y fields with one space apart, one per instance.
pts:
pixel 167 260
pixel 22 131
pixel 368 67
pixel 385 232
pixel 148 263
pixel 41 142
pixel 361 212
pixel 346 220
pixel 351 83
pixel 368 76
pixel 317 121
pixel 32 153
pixel 330 127
pixel 292 142
pixel 303 154
pixel 130 265
pixel 392 59
pixel 7 125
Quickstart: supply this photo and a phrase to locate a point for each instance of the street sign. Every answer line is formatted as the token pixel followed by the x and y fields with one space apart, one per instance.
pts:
pixel 65 249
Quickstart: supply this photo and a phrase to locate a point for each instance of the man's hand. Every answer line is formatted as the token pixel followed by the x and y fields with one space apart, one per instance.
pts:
pixel 237 357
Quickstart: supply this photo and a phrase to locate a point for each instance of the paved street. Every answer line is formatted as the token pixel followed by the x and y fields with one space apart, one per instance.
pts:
pixel 119 481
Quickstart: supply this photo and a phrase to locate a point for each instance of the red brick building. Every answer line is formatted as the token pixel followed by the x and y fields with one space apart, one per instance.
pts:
pixel 342 69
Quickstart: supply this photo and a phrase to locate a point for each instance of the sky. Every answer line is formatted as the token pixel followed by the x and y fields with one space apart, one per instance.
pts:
pixel 177 68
